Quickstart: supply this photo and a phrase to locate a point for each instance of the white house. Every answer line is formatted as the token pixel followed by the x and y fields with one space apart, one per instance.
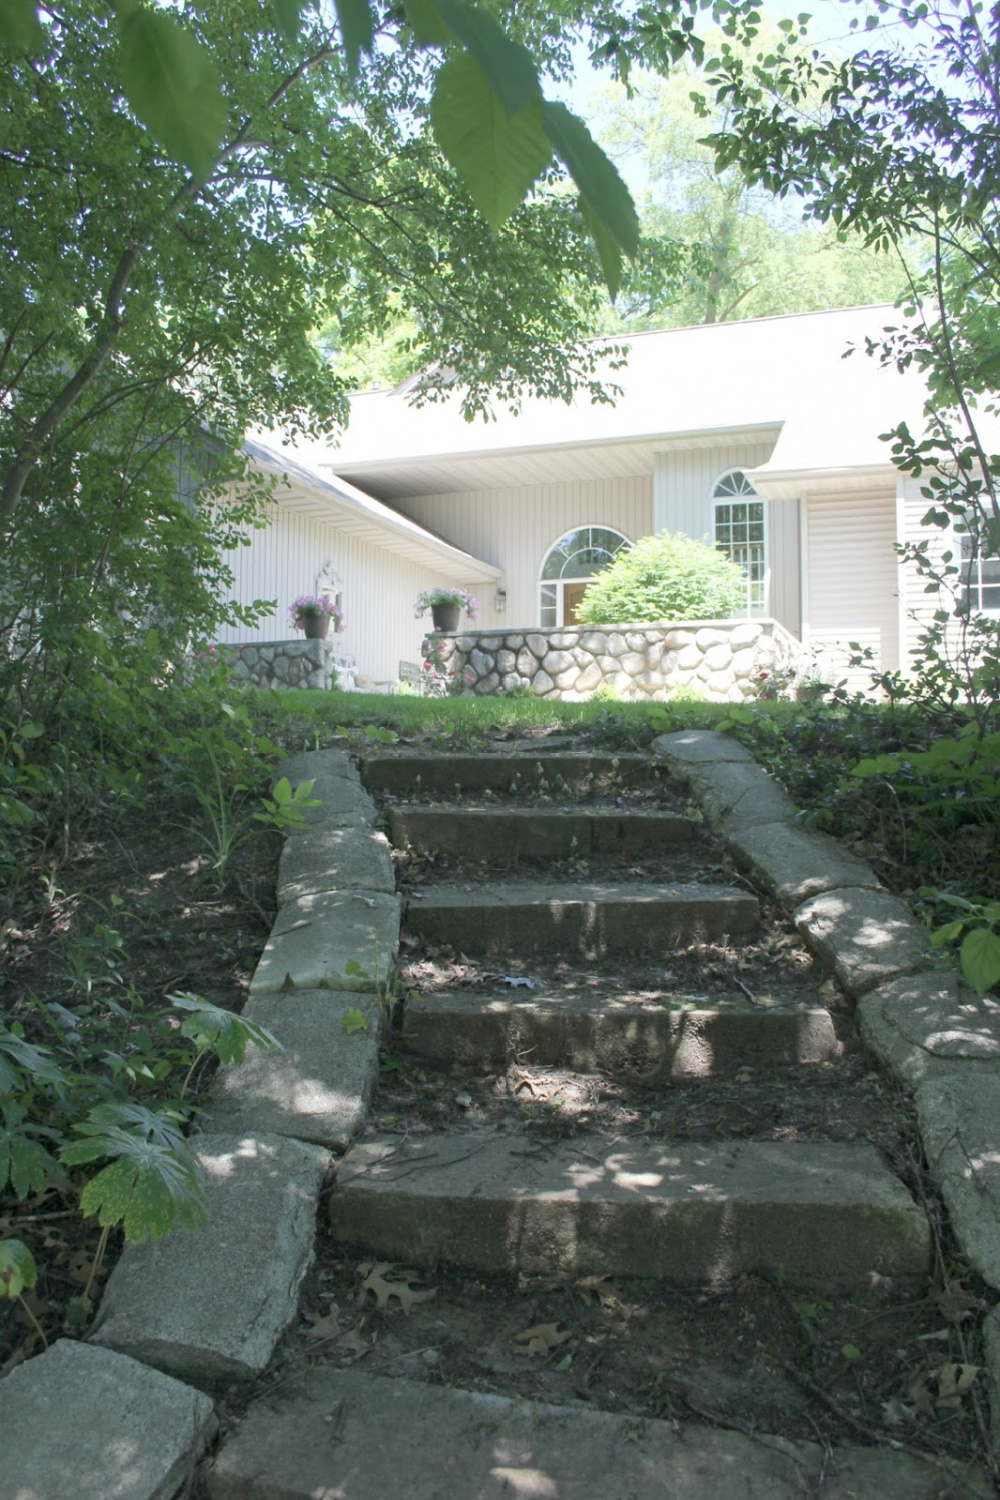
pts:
pixel 759 435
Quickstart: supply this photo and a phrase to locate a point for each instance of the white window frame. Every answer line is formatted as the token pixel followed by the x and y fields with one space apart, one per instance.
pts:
pixel 970 565
pixel 754 607
pixel 551 591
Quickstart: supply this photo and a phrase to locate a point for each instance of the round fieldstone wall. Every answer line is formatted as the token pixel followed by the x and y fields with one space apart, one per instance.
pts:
pixel 292 664
pixel 722 660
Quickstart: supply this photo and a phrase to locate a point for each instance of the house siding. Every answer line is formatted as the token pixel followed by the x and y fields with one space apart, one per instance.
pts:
pixel 683 482
pixel 515 527
pixel 378 590
pixel 854 583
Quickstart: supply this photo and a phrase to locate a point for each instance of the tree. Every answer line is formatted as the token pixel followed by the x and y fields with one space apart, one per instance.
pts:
pixel 735 249
pixel 903 150
pixel 161 285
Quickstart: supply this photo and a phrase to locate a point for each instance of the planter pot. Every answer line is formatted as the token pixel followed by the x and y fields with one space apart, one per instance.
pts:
pixel 446 616
pixel 316 627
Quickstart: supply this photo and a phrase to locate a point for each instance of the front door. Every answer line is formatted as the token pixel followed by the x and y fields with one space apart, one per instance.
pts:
pixel 572 595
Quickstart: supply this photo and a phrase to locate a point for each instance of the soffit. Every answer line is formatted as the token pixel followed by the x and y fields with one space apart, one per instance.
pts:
pixel 580 462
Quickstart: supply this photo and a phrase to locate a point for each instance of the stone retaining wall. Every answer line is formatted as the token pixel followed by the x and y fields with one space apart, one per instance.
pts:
pixel 722 660
pixel 293 664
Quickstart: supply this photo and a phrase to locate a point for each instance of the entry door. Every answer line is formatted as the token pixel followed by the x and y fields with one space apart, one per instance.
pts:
pixel 572 594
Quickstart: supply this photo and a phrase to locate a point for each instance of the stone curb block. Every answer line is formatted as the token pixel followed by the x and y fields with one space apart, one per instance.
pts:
pixel 314 763
pixel 868 937
pixel 84 1423
pixel 921 1025
pixel 794 863
pixel 959 1118
pixel 318 1089
pixel 736 792
pixel 320 860
pixel 701 747
pixel 315 938
pixel 211 1307
pixel 341 803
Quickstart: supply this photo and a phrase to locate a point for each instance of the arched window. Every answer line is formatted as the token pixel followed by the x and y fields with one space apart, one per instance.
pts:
pixel 568 568
pixel 740 532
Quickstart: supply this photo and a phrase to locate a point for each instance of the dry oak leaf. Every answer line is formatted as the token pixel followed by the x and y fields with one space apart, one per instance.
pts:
pixel 383 1287
pixel 592 1289
pixel 325 1327
pixel 541 1339
pixel 953 1380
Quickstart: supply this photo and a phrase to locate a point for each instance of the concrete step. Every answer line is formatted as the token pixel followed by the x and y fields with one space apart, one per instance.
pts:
pixel 812 1215
pixel 517 772
pixel 610 917
pixel 603 1033
pixel 367 1437
pixel 538 833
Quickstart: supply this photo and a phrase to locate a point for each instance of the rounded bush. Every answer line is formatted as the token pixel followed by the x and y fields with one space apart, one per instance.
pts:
pixel 666 577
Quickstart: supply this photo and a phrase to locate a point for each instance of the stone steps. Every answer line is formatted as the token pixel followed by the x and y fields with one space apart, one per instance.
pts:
pixel 594 918
pixel 538 833
pixel 603 1033
pixel 498 1199
pixel 330 1437
pixel 811 1215
pixel 522 769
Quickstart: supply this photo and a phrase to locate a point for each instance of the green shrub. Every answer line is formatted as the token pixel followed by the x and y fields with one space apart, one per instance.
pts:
pixel 665 577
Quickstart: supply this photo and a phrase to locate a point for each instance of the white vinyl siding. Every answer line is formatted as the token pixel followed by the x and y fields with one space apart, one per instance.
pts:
pixel 683 485
pixel 514 528
pixel 854 582
pixel 378 590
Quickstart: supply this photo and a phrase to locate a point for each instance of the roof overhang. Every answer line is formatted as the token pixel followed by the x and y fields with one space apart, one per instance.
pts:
pixel 795 484
pixel 552 463
pixel 338 503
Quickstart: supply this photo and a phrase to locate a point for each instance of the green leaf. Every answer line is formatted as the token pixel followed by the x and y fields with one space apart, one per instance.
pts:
pixel 608 252
pixel 149 1191
pixel 357 30
pixel 355 1020
pixel 105 1122
pixel 850 1351
pixel 509 67
pixel 23 1161
pixel 213 1029
pixel 171 83
pixel 17 1268
pixel 425 19
pixel 20 30
pixel 947 934
pixel 601 188
pixel 980 954
pixel 496 157
pixel 287 14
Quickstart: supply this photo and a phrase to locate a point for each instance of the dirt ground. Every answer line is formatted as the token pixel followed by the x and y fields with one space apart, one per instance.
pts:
pixel 131 915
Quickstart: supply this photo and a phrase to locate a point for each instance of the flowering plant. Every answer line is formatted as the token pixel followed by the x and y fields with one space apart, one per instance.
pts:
pixel 315 607
pixel 427 598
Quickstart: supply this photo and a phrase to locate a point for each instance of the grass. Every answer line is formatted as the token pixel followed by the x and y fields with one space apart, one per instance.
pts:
pixel 302 719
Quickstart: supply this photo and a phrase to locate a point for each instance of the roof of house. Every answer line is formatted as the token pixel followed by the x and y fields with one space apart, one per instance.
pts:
pixel 786 377
pixel 303 489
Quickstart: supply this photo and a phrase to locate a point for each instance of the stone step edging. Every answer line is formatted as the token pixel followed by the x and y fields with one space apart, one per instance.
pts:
pixel 925 1025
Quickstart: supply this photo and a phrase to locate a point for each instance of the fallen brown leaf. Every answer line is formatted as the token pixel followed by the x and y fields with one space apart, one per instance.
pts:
pixel 541 1339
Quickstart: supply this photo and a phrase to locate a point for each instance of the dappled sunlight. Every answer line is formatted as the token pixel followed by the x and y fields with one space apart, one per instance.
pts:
pixel 530 1483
